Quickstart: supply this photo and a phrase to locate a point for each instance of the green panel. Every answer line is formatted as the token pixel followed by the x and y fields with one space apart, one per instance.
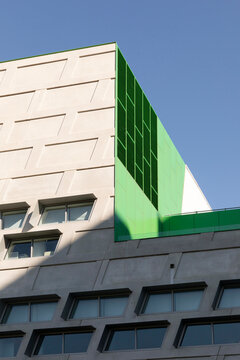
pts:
pixel 129 222
pixel 136 131
pixel 171 171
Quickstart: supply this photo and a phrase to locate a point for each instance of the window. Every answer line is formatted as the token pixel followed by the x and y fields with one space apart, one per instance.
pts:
pixel 67 212
pixel 100 306
pixel 134 337
pixel 168 301
pixel 228 295
pixel 216 332
pixel 13 219
pixel 32 248
pixel 9 345
pixel 29 312
pixel 62 343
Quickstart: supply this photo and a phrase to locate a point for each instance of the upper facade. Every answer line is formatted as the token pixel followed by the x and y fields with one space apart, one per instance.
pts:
pixel 76 125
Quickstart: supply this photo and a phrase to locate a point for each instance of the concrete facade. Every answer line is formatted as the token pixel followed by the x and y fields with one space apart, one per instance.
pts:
pixel 57 131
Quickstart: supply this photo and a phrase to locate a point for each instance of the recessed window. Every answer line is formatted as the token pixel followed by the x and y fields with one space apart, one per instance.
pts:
pixel 29 312
pixel 13 219
pixel 229 298
pixel 211 333
pixel 175 300
pixel 101 306
pixel 67 212
pixel 135 338
pixel 63 343
pixel 9 346
pixel 31 248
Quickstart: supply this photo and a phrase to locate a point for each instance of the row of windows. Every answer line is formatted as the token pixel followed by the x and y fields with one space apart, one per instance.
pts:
pixel 94 306
pixel 127 337
pixel 50 214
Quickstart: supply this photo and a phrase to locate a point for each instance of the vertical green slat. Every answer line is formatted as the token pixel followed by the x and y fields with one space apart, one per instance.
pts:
pixel 121 79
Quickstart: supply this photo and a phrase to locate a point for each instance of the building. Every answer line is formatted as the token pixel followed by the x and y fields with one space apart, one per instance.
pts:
pixel 109 249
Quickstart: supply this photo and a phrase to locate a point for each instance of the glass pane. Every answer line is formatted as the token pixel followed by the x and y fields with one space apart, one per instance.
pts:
pixel 230 298
pixel 74 343
pixel 49 344
pixel 157 303
pixel 150 338
pixel 113 306
pixel 53 215
pixel 20 250
pixel 13 220
pixel 79 212
pixel 121 340
pixel 42 311
pixel 9 346
pixel 50 246
pixel 197 335
pixel 86 309
pixel 226 333
pixel 17 314
pixel 39 247
pixel 187 300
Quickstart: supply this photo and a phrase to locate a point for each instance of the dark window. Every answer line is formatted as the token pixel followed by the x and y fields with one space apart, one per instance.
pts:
pixel 32 248
pixel 136 338
pixel 66 212
pixel 101 306
pixel 64 343
pixel 9 346
pixel 211 333
pixel 30 311
pixel 175 300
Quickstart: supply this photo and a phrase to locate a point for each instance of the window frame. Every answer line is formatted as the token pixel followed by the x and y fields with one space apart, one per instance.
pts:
pixel 11 208
pixel 9 302
pixel 224 284
pixel 32 236
pixel 109 331
pixel 66 205
pixel 203 321
pixel 12 334
pixel 73 299
pixel 37 333
pixel 167 289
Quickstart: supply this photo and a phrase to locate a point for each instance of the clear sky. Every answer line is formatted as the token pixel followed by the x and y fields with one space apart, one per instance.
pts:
pixel 184 53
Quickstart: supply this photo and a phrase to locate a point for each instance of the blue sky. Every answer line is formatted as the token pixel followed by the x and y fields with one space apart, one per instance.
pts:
pixel 184 53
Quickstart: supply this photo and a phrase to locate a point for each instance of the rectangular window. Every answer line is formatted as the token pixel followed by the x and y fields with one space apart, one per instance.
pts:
pixel 211 333
pixel 100 306
pixel 32 248
pixel 13 219
pixel 175 300
pixel 9 346
pixel 229 298
pixel 63 343
pixel 29 312
pixel 135 338
pixel 66 212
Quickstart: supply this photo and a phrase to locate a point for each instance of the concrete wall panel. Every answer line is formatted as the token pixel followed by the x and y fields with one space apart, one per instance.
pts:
pixel 202 263
pixel 98 120
pixel 135 269
pixel 77 151
pixel 95 64
pixel 90 179
pixel 67 96
pixel 38 73
pixel 71 275
pixel 21 188
pixel 13 160
pixel 15 104
pixel 36 128
pixel 2 74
